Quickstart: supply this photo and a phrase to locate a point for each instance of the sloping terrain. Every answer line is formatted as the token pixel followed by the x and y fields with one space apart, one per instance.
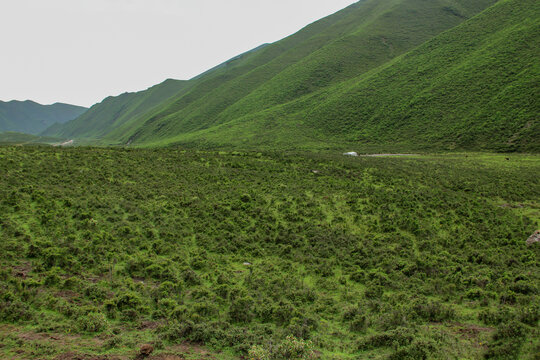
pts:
pixel 235 97
pixel 349 43
pixel 475 86
pixel 115 112
pixel 32 118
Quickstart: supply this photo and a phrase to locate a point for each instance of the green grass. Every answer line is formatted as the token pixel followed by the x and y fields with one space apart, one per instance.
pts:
pixel 15 138
pixel 378 258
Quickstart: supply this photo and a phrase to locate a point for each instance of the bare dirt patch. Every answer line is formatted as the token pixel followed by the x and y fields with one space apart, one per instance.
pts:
pixel 476 335
pixel 22 270
pixel 185 349
pixel 167 357
pixel 75 356
pixel 512 206
pixel 472 331
pixel 68 295
pixel 150 325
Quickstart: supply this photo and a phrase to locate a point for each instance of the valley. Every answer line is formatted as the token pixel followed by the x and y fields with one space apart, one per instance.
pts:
pixel 365 188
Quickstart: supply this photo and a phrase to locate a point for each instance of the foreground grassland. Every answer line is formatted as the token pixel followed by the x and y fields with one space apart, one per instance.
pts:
pixel 104 250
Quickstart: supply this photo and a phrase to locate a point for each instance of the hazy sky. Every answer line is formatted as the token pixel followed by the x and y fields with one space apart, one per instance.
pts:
pixel 81 51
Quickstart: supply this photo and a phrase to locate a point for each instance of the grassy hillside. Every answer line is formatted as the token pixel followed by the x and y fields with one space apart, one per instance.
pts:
pixel 15 138
pixel 104 250
pixel 32 118
pixel 116 112
pixel 475 86
pixel 337 48
pixel 347 44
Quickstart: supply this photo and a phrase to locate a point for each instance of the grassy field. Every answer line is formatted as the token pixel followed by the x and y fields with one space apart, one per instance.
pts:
pixel 229 253
pixel 15 138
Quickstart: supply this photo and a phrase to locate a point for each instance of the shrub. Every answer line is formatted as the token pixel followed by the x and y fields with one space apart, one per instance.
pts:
pixel 72 283
pixel 95 292
pixel 530 315
pixel 113 342
pixel 503 351
pixel 374 291
pixel 433 311
pixel 15 311
pixel 257 352
pixel 177 330
pixel 128 300
pixel 510 330
pixel 241 310
pixel 301 327
pixel 167 289
pixel 356 319
pixel 507 341
pixel 289 349
pixel 420 349
pixel 524 287
pixel 190 277
pixel 358 276
pixel 495 317
pixel 399 336
pixel 167 305
pixel 93 322
pixel 130 315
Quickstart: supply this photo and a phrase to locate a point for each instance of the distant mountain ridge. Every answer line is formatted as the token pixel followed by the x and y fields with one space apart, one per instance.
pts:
pixel 32 118
pixel 116 113
pixel 374 73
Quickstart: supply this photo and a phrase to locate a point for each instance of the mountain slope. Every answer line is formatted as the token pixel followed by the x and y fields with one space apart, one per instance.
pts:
pixel 32 118
pixel 346 44
pixel 327 52
pixel 115 112
pixel 198 87
pixel 475 86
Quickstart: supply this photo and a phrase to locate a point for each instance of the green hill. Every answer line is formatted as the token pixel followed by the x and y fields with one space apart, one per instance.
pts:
pixel 345 45
pixel 32 118
pixel 115 112
pixel 474 86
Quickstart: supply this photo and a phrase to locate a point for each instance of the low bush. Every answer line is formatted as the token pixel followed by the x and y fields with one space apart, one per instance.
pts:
pixel 93 322
pixel 289 349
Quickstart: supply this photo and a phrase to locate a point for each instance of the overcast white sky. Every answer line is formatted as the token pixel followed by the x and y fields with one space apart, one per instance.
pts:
pixel 81 51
